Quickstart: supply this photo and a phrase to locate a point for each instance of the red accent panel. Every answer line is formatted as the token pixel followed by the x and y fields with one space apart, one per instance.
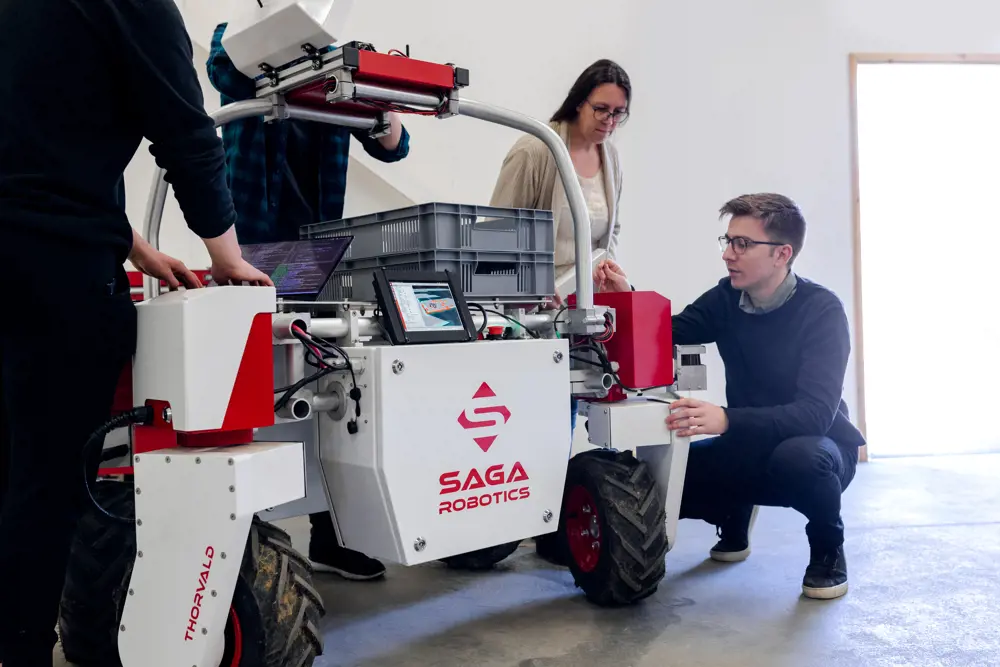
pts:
pixel 215 438
pixel 643 341
pixel 123 392
pixel 156 436
pixel 113 472
pixel 396 70
pixel 484 391
pixel 251 405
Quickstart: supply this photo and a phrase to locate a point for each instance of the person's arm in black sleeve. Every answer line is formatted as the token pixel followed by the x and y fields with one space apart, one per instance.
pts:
pixel 826 346
pixel 163 86
pixel 700 322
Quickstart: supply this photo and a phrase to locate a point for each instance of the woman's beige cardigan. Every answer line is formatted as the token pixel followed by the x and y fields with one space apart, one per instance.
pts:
pixel 529 179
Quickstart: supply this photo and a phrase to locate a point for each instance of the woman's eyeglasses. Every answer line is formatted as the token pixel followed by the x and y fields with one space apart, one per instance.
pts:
pixel 604 113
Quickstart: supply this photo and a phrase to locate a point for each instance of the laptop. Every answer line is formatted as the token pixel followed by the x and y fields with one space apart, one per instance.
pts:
pixel 299 269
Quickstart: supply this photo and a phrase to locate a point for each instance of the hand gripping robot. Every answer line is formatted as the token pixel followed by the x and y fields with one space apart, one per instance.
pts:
pixel 450 444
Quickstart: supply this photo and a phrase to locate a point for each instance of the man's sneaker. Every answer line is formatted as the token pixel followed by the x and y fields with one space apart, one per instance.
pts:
pixel 348 564
pixel 734 537
pixel 826 576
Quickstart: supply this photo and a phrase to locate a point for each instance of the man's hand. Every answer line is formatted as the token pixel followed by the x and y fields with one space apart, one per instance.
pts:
pixel 161 266
pixel 609 277
pixel 690 417
pixel 239 273
pixel 228 265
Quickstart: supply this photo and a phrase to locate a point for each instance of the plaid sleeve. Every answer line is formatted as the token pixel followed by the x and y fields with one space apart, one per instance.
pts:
pixel 374 148
pixel 233 84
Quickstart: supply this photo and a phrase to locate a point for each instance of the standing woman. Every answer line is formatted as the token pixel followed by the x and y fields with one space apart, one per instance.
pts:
pixel 597 104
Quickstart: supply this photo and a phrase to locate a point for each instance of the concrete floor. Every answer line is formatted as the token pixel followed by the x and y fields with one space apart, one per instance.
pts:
pixel 923 548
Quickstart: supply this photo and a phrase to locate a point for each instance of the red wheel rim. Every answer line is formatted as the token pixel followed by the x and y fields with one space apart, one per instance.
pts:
pixel 234 621
pixel 583 528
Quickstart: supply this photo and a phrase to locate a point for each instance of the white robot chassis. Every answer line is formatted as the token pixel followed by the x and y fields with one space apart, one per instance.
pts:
pixel 451 452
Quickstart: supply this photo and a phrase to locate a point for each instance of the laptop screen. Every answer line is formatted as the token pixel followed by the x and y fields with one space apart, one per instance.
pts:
pixel 299 269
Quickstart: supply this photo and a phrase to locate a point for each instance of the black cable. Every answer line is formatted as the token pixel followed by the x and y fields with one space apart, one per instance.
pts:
pixel 486 317
pixel 511 319
pixel 329 346
pixel 608 368
pixel 143 415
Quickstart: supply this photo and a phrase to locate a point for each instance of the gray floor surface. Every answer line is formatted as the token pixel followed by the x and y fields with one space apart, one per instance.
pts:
pixel 923 546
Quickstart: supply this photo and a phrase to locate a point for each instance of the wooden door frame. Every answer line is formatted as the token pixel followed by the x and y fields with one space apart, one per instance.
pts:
pixel 856 59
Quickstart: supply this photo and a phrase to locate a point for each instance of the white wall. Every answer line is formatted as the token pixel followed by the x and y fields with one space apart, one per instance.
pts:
pixel 749 96
pixel 730 97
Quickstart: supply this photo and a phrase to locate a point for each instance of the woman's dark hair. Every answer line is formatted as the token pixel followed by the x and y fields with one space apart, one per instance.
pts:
pixel 598 74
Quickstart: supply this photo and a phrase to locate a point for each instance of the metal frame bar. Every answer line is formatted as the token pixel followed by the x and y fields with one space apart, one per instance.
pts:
pixel 277 109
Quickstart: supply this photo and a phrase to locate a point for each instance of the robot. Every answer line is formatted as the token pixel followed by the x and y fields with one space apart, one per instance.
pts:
pixel 446 442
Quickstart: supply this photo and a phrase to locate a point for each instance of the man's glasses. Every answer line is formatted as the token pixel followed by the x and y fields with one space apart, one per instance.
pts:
pixel 741 243
pixel 603 114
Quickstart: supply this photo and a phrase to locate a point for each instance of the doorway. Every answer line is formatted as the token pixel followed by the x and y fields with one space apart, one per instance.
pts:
pixel 927 227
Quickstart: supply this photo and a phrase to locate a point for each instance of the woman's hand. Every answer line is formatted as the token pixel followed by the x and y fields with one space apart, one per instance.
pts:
pixel 161 266
pixel 609 277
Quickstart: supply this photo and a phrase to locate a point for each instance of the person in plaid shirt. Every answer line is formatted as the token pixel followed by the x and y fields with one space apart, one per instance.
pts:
pixel 283 176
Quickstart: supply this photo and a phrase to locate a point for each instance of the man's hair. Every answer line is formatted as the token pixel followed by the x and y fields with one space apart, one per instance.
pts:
pixel 782 218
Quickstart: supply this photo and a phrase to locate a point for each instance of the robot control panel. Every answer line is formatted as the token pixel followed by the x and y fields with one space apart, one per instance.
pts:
pixel 423 307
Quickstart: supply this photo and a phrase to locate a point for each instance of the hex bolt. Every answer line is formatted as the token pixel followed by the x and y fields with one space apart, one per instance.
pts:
pixel 420 544
pixel 557 356
pixel 547 516
pixel 397 367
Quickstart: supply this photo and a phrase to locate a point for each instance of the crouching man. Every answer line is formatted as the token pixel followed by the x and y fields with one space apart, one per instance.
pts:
pixel 785 438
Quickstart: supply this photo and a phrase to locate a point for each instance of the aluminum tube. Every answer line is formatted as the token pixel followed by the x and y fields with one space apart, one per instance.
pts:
pixel 158 193
pixel 574 192
pixel 330 117
pixel 325 402
pixel 367 91
pixel 336 327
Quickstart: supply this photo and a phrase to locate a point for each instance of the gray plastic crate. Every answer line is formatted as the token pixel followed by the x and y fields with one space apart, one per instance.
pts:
pixel 438 226
pixel 510 275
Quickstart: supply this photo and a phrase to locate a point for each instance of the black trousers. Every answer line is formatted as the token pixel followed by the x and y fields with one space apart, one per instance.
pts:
pixel 60 363
pixel 809 474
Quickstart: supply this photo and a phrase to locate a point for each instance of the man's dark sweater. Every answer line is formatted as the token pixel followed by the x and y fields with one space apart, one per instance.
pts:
pixel 784 369
pixel 81 83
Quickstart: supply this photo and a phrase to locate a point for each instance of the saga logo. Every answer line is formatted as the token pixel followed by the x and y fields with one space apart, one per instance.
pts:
pixel 455 482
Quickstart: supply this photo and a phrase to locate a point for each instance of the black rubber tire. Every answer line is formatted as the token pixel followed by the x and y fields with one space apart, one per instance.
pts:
pixel 100 564
pixel 481 559
pixel 277 608
pixel 632 518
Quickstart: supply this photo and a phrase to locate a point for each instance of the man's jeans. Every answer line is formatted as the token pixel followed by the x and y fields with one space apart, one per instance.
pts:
pixel 806 473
